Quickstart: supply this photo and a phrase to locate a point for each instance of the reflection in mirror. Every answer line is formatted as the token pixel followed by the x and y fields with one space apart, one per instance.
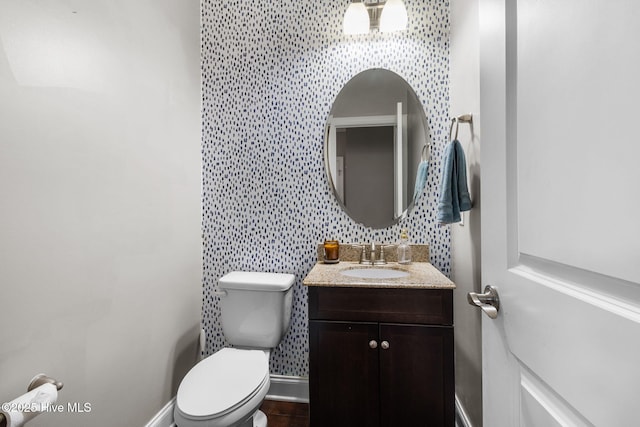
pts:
pixel 376 132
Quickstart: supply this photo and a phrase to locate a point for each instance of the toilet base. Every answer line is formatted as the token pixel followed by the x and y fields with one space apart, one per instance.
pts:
pixel 259 419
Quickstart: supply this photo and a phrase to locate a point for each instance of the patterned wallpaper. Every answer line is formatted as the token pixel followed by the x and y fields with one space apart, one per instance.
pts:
pixel 270 72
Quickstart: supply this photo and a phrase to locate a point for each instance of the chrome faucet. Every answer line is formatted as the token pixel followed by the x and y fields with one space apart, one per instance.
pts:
pixel 372 254
pixel 363 254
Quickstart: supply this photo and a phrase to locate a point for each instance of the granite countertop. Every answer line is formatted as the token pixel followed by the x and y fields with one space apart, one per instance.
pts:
pixel 422 275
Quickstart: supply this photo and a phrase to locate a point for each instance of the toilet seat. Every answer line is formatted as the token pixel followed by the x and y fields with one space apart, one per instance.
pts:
pixel 222 383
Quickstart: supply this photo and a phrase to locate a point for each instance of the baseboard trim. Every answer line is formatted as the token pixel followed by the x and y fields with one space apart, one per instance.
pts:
pixel 283 388
pixel 462 419
pixel 289 389
pixel 164 418
pixel 286 389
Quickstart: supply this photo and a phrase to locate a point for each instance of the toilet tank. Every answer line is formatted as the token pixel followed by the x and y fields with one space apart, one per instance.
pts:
pixel 256 309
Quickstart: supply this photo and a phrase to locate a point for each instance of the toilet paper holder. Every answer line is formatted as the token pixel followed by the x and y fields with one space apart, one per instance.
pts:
pixel 36 382
pixel 41 379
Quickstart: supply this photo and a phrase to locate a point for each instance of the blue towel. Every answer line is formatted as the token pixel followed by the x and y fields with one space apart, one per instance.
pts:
pixel 421 180
pixel 454 193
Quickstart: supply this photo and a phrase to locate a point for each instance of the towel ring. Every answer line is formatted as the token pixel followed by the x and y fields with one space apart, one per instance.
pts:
pixel 425 148
pixel 453 120
pixel 465 118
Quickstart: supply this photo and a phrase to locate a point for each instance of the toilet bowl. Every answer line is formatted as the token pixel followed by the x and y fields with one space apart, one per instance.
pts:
pixel 227 388
pixel 224 390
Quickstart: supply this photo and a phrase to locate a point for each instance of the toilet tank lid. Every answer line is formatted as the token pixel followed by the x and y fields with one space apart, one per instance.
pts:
pixel 257 281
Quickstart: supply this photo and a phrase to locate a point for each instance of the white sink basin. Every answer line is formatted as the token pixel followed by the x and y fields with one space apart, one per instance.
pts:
pixel 375 273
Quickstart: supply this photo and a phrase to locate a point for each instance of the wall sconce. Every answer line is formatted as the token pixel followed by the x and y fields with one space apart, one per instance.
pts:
pixel 386 16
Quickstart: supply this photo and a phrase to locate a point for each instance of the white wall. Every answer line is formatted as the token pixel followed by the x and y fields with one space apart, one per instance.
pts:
pixel 465 240
pixel 100 237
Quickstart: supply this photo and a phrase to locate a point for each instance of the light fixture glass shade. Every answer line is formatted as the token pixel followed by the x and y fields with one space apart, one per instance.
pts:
pixel 394 16
pixel 356 19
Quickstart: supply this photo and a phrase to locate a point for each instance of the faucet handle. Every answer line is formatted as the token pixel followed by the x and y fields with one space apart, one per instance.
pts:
pixel 382 259
pixel 382 248
pixel 363 252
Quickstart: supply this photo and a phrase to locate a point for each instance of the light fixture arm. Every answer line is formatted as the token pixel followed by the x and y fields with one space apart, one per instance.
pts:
pixel 375 10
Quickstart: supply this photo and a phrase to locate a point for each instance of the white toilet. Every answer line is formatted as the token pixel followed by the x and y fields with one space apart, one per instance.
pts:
pixel 227 388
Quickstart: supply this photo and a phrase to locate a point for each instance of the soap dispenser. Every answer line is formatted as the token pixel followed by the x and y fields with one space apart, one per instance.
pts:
pixel 404 249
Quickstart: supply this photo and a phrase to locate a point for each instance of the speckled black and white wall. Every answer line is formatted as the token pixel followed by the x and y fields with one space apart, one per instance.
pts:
pixel 270 72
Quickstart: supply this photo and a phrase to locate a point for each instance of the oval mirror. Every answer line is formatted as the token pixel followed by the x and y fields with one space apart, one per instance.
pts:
pixel 376 137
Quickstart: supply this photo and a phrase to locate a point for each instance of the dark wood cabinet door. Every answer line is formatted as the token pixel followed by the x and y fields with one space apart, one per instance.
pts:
pixel 343 374
pixel 416 376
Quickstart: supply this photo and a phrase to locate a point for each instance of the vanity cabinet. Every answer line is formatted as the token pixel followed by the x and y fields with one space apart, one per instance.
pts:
pixel 381 357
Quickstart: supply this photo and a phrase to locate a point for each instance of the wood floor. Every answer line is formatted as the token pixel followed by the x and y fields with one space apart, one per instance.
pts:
pixel 286 414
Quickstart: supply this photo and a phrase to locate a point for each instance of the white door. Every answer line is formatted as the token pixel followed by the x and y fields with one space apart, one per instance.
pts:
pixel 560 107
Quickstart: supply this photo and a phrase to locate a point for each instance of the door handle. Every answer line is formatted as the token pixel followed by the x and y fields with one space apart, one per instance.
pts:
pixel 489 301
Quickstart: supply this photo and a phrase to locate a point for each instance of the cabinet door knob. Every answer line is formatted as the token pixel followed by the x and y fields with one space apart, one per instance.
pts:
pixel 373 344
pixel 384 345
